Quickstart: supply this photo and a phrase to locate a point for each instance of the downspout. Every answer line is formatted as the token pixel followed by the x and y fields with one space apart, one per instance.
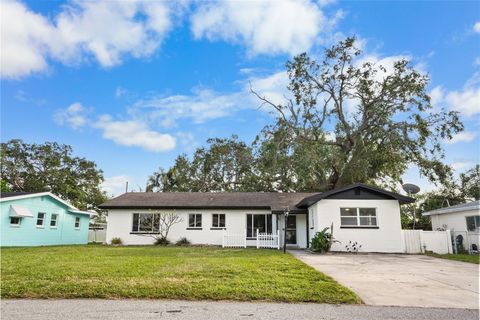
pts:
pixel 308 230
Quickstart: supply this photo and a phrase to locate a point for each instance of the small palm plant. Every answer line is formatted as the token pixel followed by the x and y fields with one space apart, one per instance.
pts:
pixel 322 241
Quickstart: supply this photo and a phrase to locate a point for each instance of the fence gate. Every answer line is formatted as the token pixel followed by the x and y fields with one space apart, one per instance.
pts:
pixel 419 241
pixel 413 241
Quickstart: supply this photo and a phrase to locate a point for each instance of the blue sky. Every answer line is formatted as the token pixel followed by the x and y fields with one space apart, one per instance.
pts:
pixel 131 85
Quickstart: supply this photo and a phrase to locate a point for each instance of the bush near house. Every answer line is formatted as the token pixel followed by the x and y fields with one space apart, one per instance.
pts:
pixel 192 273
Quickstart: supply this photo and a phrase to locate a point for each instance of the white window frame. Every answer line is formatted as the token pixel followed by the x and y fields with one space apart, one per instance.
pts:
pixel 358 216
pixel 75 223
pixel 43 220
pixel 218 220
pixel 56 220
pixel 195 221
pixel 16 224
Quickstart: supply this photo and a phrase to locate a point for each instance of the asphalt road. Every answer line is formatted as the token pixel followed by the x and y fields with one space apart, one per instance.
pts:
pixel 199 310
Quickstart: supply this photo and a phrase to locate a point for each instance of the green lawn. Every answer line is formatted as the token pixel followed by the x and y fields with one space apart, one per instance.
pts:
pixel 471 258
pixel 164 272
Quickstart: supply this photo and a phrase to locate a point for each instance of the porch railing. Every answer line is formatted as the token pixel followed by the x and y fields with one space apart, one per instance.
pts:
pixel 230 240
pixel 268 240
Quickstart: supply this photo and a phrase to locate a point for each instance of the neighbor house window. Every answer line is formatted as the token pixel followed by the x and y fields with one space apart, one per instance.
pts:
pixel 40 219
pixel 77 222
pixel 262 222
pixel 15 221
pixel 473 223
pixel 194 220
pixel 146 222
pixel 358 217
pixel 53 220
pixel 218 221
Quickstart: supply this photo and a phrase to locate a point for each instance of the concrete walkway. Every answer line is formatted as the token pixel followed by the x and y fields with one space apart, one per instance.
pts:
pixel 200 310
pixel 402 280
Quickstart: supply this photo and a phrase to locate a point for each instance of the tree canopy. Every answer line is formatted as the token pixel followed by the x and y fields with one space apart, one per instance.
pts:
pixel 348 120
pixel 357 121
pixel 51 167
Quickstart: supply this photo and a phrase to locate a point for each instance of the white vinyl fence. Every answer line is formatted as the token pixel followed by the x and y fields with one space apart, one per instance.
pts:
pixel 97 235
pixel 419 241
pixel 268 240
pixel 234 240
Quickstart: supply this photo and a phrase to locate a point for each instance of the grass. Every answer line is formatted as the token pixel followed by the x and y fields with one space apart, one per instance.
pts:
pixel 191 273
pixel 470 258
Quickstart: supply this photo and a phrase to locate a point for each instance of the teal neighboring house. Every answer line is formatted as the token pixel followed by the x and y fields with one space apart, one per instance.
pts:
pixel 40 219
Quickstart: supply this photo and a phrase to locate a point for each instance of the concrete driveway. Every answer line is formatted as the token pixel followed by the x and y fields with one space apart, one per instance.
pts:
pixel 402 280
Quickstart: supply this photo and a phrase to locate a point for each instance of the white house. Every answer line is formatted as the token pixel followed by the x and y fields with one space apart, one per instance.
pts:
pixel 462 217
pixel 359 213
pixel 462 220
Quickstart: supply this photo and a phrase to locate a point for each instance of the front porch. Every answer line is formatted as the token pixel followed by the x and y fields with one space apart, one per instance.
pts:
pixel 268 231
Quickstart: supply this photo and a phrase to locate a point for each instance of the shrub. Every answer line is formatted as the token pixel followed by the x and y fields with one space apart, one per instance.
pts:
pixel 183 242
pixel 116 241
pixel 322 241
pixel 162 241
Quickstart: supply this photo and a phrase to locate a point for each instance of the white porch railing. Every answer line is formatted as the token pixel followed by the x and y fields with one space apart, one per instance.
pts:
pixel 234 240
pixel 268 240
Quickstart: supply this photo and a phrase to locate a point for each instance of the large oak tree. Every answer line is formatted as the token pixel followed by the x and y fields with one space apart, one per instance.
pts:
pixel 51 167
pixel 352 121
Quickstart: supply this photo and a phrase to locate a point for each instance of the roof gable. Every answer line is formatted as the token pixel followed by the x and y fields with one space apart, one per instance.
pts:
pixel 355 191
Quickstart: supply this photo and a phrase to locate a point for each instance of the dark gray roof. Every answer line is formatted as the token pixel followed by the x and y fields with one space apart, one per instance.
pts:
pixel 274 201
pixel 15 194
pixel 346 193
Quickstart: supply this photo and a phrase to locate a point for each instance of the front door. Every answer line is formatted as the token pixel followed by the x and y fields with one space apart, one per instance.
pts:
pixel 291 229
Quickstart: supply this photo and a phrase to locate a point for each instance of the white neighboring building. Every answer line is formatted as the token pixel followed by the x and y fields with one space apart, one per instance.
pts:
pixel 462 220
pixel 359 213
pixel 463 217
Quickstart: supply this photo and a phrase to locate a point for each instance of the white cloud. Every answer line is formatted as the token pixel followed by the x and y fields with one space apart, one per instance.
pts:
pixel 476 27
pixel 466 101
pixel 106 31
pixel 134 133
pixel 465 136
pixel 461 165
pixel 131 132
pixel 205 104
pixel 265 27
pixel 75 116
pixel 24 40
pixel 115 185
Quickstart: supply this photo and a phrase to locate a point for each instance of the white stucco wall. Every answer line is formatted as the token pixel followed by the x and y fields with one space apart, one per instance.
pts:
pixel 120 225
pixel 452 221
pixel 387 238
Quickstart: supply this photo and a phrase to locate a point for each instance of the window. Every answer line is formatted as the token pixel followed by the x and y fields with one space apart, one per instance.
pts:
pixel 40 219
pixel 194 220
pixel 358 217
pixel 77 222
pixel 473 223
pixel 218 221
pixel 15 221
pixel 262 222
pixel 53 220
pixel 146 222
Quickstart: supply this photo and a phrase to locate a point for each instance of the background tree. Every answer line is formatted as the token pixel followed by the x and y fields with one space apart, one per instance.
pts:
pixel 450 193
pixel 364 123
pixel 51 167
pixel 223 165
